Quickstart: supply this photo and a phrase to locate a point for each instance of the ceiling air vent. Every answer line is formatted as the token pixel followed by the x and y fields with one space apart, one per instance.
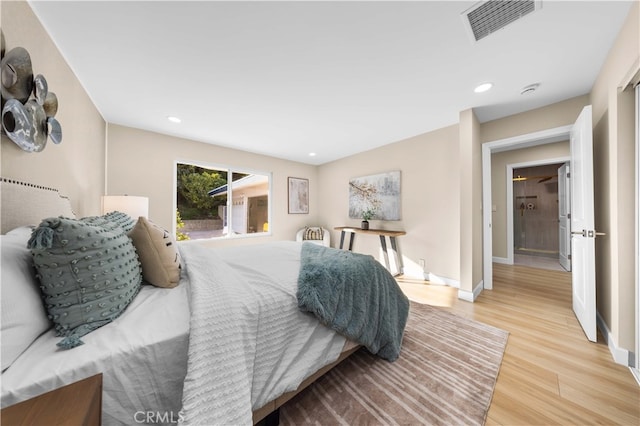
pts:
pixel 487 17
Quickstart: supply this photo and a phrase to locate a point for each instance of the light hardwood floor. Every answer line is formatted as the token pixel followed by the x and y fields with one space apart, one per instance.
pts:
pixel 550 373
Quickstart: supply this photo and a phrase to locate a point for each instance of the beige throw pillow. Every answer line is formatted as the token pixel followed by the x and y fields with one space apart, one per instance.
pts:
pixel 157 252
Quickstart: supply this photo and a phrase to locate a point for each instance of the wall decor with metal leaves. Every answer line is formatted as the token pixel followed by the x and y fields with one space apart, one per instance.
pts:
pixel 28 106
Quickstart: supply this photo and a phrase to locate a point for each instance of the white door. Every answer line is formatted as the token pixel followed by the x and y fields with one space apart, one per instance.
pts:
pixel 564 226
pixel 583 269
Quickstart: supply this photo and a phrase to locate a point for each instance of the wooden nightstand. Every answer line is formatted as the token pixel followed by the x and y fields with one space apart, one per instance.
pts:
pixel 79 403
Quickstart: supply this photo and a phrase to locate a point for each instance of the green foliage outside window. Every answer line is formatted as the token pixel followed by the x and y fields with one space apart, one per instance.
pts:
pixel 193 185
pixel 180 236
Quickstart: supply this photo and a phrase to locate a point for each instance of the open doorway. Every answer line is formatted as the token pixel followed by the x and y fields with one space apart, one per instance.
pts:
pixel 536 208
pixel 582 209
pixel 493 212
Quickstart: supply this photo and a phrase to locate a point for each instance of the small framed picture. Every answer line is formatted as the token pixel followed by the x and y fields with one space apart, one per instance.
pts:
pixel 298 195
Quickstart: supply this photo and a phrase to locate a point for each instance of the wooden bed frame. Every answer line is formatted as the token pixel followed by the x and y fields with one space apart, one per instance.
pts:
pixel 270 409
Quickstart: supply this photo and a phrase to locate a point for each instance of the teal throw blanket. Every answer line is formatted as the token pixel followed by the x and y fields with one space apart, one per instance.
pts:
pixel 354 295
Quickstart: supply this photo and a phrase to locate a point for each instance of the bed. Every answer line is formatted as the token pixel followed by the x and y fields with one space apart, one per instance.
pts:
pixel 227 343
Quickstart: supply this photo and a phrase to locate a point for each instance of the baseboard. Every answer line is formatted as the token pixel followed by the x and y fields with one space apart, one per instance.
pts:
pixel 620 355
pixel 636 373
pixel 471 296
pixel 504 260
pixel 436 279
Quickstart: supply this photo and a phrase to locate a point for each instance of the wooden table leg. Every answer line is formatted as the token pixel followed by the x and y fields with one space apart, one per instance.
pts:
pixel 383 243
pixel 341 239
pixel 351 241
pixel 396 256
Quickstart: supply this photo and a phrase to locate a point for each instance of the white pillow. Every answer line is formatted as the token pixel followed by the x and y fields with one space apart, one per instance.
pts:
pixel 23 315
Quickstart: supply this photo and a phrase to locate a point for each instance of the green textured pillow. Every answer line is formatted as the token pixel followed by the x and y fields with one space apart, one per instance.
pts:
pixel 88 270
pixel 123 220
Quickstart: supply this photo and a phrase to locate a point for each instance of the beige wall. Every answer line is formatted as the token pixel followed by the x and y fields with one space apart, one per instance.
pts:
pixel 499 181
pixel 142 163
pixel 614 172
pixel 430 185
pixel 548 117
pixel 76 166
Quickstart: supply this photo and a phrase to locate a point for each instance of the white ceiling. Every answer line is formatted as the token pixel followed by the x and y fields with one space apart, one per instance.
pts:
pixel 335 78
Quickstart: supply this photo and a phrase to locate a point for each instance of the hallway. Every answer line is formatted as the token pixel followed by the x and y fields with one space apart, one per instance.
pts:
pixel 540 262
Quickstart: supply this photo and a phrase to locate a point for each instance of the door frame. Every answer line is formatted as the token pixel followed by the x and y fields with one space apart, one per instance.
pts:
pixel 564 216
pixel 636 369
pixel 542 137
pixel 509 212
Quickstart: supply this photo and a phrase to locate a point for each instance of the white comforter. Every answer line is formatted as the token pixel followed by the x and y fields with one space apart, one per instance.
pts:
pixel 142 356
pixel 249 342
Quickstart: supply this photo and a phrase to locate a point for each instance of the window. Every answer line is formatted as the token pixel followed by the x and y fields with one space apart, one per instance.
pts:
pixel 209 206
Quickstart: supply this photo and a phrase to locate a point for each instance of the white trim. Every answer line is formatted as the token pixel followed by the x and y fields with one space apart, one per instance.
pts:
pixel 636 371
pixel 471 296
pixel 632 77
pixel 436 279
pixel 620 355
pixel 556 134
pixel 503 260
pixel 509 214
pixel 487 218
pixel 542 137
pixel 509 172
pixel 174 201
pixel 478 289
pixel 106 160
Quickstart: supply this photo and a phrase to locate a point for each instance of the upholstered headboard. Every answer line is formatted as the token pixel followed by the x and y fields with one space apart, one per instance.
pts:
pixel 24 203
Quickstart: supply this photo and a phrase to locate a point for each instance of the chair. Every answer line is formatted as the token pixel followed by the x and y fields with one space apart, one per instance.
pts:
pixel 312 234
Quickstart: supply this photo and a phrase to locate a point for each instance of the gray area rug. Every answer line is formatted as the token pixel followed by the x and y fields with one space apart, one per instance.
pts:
pixel 445 375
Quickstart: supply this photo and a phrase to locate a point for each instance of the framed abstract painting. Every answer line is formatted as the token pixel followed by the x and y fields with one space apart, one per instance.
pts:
pixel 298 195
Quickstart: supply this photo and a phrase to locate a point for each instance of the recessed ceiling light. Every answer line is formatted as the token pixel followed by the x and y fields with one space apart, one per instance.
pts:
pixel 312 154
pixel 173 119
pixel 483 87
pixel 530 88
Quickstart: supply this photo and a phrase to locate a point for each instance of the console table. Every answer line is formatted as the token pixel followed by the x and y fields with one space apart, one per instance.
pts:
pixel 382 233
